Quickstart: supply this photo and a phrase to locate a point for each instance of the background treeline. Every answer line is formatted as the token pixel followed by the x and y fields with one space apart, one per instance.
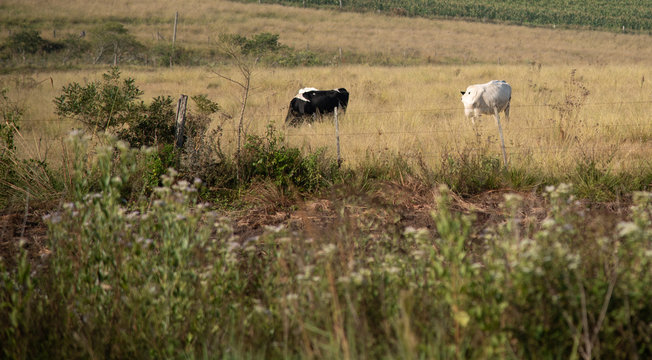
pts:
pixel 595 14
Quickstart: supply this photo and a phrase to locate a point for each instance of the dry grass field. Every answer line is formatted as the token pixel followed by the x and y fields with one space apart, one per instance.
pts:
pixel 435 41
pixel 407 110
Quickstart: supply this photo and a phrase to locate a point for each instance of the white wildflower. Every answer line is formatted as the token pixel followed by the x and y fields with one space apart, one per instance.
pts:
pixel 327 250
pixel 172 173
pixel 231 246
pixel 627 228
pixel 344 280
pixel 392 270
pixel 284 240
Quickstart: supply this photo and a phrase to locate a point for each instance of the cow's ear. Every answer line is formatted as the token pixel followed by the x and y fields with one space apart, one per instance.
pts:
pixel 463 92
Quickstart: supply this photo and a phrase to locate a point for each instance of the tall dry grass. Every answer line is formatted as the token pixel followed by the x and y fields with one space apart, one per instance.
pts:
pixel 413 110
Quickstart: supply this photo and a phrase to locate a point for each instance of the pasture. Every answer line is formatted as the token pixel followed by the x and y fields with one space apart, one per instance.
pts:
pixel 561 115
pixel 423 244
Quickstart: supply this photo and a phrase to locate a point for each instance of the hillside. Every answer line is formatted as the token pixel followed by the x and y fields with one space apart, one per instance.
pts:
pixel 312 37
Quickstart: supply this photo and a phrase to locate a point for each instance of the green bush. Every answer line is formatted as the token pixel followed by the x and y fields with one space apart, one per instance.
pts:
pixel 111 43
pixel 471 172
pixel 266 48
pixel 270 158
pixel 111 105
pixel 11 116
pixel 101 105
pixel 152 124
pixel 29 41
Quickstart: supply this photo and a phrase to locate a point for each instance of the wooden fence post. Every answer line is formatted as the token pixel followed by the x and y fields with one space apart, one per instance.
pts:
pixel 181 121
pixel 337 138
pixel 174 36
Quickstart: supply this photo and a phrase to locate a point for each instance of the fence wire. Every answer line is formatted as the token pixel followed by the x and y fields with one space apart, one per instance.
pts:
pixel 513 149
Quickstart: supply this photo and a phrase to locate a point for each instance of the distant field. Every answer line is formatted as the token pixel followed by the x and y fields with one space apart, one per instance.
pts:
pixel 595 14
pixel 361 38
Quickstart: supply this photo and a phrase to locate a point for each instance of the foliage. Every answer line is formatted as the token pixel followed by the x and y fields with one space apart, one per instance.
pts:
pixel 153 124
pixel 471 172
pixel 270 158
pixel 112 105
pixel 11 115
pixel 164 54
pixel 74 48
pixel 268 50
pixel 112 43
pixel 19 177
pixel 205 105
pixel 100 105
pixel 166 278
pixel 29 41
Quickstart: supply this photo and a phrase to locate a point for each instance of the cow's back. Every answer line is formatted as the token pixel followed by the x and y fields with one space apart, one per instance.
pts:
pixel 301 107
pixel 497 93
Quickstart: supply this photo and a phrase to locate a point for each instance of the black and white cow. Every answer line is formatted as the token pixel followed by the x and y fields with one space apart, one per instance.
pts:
pixel 310 102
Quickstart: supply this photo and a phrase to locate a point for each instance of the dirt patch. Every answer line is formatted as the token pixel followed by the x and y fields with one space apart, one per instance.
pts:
pixel 31 229
pixel 393 207
pixel 389 208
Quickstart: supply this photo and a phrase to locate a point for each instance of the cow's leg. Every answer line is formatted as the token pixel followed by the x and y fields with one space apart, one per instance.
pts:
pixel 507 113
pixel 475 126
pixel 502 139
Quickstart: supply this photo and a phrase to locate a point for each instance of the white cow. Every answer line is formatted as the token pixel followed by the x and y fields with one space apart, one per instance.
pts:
pixel 487 99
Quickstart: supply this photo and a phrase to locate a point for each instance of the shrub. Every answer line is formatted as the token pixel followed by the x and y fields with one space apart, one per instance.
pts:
pixel 269 158
pixel 111 105
pixel 268 50
pixel 112 43
pixel 152 124
pixel 100 105
pixel 471 172
pixel 11 116
pixel 75 48
pixel 26 41
pixel 164 54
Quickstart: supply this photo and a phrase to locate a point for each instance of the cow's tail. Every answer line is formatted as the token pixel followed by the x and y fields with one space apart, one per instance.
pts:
pixel 290 118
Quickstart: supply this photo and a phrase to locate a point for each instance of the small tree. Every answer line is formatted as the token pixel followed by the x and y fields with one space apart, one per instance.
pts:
pixel 100 105
pixel 29 42
pixel 232 48
pixel 113 41
pixel 26 41
pixel 112 105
